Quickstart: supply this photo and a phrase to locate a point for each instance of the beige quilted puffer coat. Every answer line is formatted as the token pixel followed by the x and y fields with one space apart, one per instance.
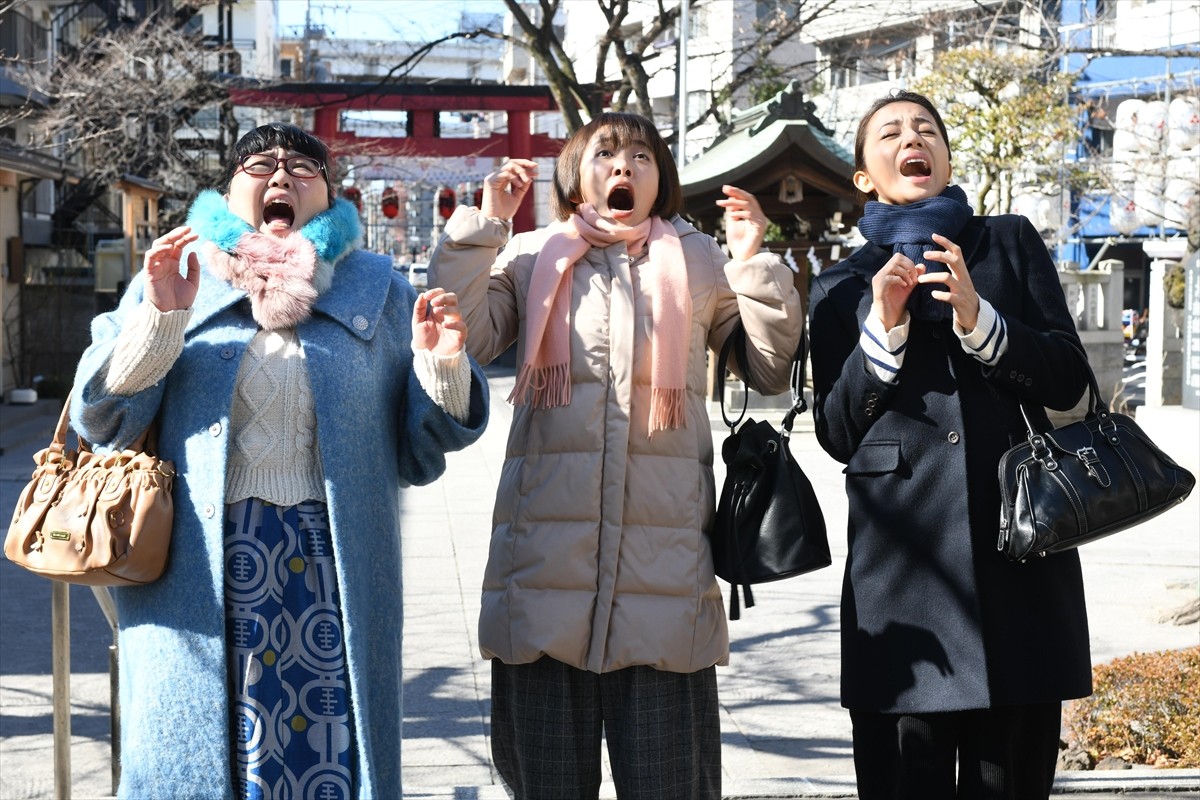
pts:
pixel 598 556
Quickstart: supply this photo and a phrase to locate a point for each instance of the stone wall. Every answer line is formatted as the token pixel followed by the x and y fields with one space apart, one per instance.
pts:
pixel 1094 298
pixel 1164 343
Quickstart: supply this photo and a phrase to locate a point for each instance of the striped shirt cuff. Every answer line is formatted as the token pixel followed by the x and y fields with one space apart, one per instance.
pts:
pixel 884 349
pixel 989 341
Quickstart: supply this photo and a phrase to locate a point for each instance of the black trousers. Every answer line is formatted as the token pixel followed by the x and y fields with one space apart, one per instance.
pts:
pixel 1001 754
pixel 662 728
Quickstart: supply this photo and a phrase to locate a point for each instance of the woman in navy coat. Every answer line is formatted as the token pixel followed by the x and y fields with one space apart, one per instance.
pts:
pixel 950 652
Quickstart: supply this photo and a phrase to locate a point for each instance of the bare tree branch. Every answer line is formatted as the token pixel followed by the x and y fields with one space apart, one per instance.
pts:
pixel 138 101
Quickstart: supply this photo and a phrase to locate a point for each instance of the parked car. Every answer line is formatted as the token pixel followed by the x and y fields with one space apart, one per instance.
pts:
pixel 418 275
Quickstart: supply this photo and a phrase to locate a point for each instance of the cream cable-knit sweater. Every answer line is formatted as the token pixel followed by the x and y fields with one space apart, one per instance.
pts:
pixel 275 454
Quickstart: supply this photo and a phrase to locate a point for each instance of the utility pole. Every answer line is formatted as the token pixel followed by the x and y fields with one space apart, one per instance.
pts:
pixel 224 41
pixel 681 80
pixel 307 41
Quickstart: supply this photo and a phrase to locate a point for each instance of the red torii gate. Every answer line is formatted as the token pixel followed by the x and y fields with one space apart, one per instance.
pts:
pixel 423 102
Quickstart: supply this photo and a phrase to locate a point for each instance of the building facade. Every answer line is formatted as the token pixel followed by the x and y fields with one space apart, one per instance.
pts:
pixel 70 239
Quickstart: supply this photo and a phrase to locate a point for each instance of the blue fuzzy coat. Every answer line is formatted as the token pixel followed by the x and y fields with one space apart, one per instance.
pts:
pixel 377 430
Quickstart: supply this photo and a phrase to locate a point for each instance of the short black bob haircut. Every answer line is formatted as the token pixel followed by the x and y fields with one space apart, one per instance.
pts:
pixel 278 134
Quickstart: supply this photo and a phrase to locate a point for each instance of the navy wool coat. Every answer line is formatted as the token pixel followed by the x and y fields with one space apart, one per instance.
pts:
pixel 934 618
pixel 377 430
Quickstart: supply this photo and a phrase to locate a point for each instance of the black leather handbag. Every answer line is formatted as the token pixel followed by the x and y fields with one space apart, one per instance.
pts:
pixel 1083 481
pixel 769 524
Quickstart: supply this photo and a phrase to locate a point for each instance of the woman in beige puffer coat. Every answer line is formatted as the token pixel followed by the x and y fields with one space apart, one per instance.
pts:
pixel 599 584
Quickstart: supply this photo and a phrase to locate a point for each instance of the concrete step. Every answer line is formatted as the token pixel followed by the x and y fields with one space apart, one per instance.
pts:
pixel 23 423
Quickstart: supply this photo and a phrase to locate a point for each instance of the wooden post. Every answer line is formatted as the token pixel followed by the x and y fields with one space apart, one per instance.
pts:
pixel 129 230
pixel 520 145
pixel 60 657
pixel 325 123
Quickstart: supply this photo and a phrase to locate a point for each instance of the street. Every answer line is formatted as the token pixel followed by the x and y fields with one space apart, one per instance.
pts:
pixel 1133 381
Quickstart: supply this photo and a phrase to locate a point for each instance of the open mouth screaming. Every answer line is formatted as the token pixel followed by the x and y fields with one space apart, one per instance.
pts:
pixel 620 199
pixel 915 167
pixel 279 213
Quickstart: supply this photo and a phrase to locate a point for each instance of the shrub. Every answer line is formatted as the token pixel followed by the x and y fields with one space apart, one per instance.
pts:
pixel 1174 284
pixel 1145 708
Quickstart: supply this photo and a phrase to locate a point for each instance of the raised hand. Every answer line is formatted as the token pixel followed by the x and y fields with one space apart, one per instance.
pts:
pixel 890 288
pixel 166 288
pixel 958 289
pixel 745 223
pixel 438 325
pixel 504 189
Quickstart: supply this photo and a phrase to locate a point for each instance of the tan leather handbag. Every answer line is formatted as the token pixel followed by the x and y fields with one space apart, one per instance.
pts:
pixel 92 518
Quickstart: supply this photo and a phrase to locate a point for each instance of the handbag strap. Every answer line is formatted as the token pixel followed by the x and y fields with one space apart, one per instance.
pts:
pixel 737 339
pixel 59 443
pixel 1096 405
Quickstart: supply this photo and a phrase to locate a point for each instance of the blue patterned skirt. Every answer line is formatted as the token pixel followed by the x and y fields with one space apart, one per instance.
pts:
pixel 287 661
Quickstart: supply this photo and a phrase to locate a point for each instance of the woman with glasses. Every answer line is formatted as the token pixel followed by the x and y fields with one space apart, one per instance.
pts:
pixel 298 382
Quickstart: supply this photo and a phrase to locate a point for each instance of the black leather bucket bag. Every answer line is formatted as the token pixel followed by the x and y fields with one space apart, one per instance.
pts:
pixel 769 525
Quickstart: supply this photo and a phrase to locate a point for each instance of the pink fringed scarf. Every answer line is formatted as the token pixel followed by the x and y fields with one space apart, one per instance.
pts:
pixel 279 274
pixel 544 380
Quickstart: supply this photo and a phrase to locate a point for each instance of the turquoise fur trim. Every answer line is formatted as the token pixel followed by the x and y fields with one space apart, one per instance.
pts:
pixel 211 218
pixel 333 233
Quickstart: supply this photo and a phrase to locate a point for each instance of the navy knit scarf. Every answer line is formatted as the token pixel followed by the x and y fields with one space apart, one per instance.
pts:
pixel 908 229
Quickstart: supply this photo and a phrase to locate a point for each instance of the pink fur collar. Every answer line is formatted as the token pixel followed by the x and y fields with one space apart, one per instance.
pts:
pixel 282 276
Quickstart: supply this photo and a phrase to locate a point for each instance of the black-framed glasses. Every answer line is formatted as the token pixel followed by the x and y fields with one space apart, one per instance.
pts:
pixel 261 165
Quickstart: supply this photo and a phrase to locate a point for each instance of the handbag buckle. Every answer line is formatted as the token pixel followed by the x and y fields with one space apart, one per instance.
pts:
pixel 1091 462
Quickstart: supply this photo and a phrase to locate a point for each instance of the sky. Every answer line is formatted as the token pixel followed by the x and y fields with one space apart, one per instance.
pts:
pixel 410 20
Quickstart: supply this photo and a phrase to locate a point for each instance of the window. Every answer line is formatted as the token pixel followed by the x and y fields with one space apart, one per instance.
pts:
pixel 697 103
pixel 857 63
pixel 285 68
pixel 194 25
pixel 698 22
pixel 1104 31
pixel 207 118
pixel 22 38
pixel 766 10
pixel 1098 133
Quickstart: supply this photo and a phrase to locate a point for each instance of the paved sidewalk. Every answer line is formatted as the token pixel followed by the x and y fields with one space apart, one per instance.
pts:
pixel 784 734
pixel 783 731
